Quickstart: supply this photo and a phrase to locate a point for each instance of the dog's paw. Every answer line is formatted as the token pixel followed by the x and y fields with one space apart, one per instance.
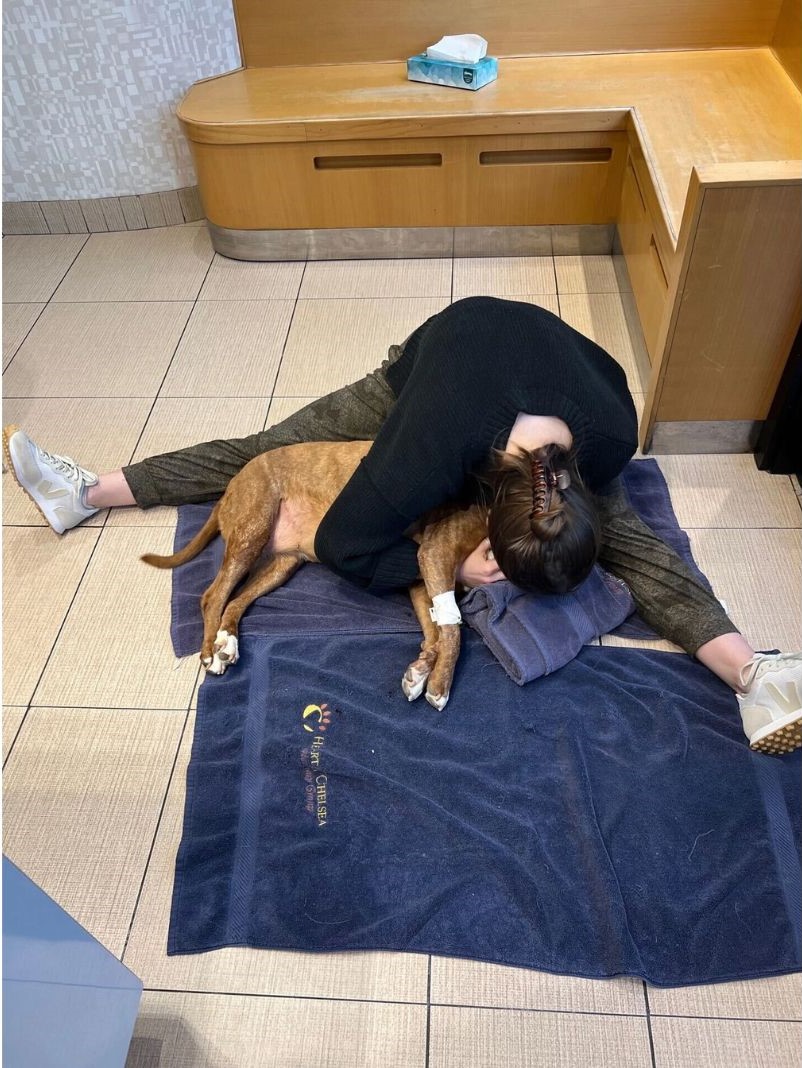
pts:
pixel 226 652
pixel 437 700
pixel 415 679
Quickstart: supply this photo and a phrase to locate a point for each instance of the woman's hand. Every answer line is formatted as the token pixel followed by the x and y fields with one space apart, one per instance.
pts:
pixel 479 567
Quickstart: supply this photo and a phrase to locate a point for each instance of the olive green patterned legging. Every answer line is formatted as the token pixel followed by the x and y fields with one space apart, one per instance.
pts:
pixel 667 593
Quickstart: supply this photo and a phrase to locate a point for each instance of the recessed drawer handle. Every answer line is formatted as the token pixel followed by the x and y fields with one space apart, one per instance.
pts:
pixel 412 159
pixel 654 249
pixel 545 155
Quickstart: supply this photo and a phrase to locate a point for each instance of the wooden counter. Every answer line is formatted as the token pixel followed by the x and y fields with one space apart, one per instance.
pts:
pixel 690 108
pixel 694 155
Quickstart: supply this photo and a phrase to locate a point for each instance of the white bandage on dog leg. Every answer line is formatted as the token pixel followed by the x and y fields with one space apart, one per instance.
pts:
pixel 444 609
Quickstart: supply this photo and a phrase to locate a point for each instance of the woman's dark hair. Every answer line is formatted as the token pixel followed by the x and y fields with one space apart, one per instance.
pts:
pixel 544 528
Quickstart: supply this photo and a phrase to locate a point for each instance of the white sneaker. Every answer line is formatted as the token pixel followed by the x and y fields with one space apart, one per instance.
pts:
pixel 771 708
pixel 55 484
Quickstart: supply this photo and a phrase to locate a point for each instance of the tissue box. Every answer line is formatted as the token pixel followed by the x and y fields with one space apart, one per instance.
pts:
pixel 460 75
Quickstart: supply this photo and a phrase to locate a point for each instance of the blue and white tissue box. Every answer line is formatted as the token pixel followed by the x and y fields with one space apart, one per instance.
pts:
pixel 447 72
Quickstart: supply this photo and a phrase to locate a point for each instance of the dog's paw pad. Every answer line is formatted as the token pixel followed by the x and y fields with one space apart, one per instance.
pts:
pixel 438 701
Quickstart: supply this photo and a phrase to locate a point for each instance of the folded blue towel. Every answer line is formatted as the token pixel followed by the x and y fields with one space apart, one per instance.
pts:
pixel 609 819
pixel 532 636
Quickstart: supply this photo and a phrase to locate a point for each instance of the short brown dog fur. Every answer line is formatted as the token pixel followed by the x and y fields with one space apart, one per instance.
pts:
pixel 311 475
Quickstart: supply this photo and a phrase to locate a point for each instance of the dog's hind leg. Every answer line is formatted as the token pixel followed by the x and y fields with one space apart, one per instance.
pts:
pixel 419 670
pixel 269 576
pixel 217 651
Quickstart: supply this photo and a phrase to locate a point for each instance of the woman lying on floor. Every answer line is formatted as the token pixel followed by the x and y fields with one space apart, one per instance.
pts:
pixel 483 376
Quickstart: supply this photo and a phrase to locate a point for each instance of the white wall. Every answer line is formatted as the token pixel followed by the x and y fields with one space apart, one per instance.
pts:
pixel 90 92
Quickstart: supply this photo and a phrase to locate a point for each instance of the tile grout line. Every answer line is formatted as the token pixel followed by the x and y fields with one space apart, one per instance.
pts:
pixel 122 709
pixel 49 300
pixel 284 346
pixel 67 611
pixel 471 1007
pixel 72 264
pixel 18 732
pixel 149 396
pixel 619 1015
pixel 170 777
pixel 556 280
pixel 27 333
pixel 279 997
pixel 427 1054
pixel 167 369
pixel 798 496
pixel 649 1023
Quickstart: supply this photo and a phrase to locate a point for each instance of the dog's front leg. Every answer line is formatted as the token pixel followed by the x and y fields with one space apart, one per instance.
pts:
pixel 438 570
pixel 444 545
pixel 419 670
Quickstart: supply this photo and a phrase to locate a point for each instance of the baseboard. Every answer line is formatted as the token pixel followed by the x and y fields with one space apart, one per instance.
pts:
pixel 103 214
pixel 412 242
pixel 698 436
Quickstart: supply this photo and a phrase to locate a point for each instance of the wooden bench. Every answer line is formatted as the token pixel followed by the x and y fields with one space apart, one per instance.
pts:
pixel 693 155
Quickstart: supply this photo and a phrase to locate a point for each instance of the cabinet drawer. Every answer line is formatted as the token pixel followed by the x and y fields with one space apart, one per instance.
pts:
pixel 652 203
pixel 539 179
pixel 329 184
pixel 644 260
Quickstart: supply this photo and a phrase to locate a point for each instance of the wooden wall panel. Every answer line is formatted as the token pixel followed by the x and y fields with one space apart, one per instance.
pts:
pixel 282 32
pixel 787 39
pixel 738 306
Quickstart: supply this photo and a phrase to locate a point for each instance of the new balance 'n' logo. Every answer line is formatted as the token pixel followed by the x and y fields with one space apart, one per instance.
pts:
pixel 51 492
pixel 787 700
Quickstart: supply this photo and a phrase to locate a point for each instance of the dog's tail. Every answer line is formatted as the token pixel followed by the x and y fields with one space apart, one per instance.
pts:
pixel 209 530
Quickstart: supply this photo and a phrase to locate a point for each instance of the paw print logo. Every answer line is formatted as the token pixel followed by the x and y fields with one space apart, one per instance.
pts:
pixel 322 714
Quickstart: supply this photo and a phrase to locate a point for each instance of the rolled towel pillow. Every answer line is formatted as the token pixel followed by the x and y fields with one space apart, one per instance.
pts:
pixel 532 635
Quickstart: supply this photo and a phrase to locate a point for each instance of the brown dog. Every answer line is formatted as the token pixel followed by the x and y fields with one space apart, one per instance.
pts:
pixel 311 475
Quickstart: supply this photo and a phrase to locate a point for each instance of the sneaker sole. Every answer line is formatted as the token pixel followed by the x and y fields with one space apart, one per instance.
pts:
pixel 8 432
pixel 781 737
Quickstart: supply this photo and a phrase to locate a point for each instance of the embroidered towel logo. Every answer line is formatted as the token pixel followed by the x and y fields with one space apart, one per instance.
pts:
pixel 316 781
pixel 323 717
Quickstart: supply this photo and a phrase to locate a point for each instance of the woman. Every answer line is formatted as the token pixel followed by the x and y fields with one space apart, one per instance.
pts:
pixel 482 375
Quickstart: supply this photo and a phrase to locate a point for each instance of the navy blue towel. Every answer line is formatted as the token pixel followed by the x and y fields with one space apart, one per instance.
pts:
pixel 607 820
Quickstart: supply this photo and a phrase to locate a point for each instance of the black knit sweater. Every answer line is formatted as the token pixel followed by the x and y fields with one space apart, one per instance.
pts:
pixel 462 380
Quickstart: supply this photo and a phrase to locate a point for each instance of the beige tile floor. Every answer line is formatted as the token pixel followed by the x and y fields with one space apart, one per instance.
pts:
pixel 117 345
